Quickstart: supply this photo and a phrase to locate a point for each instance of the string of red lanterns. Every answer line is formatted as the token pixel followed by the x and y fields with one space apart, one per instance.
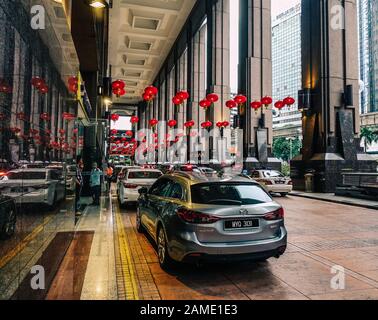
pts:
pixel 150 93
pixel 118 88
pixel 40 85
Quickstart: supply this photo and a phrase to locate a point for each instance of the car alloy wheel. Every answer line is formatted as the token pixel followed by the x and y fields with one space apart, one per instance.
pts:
pixel 139 222
pixel 161 246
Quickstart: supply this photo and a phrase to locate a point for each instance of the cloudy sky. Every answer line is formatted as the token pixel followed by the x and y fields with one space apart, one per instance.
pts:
pixel 278 6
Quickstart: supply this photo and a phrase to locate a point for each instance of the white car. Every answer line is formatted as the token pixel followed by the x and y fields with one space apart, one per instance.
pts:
pixel 71 178
pixel 34 186
pixel 206 171
pixel 274 181
pixel 134 180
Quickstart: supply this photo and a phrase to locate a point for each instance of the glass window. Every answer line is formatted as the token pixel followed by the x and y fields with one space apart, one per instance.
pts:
pixel 26 175
pixel 176 192
pixel 273 174
pixel 161 187
pixel 229 194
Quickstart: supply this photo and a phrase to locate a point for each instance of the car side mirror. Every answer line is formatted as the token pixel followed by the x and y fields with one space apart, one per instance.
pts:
pixel 143 190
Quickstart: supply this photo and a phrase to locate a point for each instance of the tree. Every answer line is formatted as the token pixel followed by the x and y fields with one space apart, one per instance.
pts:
pixel 286 148
pixel 369 135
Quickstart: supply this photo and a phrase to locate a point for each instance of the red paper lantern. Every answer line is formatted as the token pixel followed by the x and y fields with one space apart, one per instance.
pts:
pixel 119 92
pixel 223 124
pixel 37 82
pixel 206 124
pixel 113 132
pixel 256 105
pixel 134 120
pixel 153 122
pixel 68 116
pixel 45 116
pixel 267 101
pixel 289 101
pixel 172 123
pixel 118 84
pixel 114 117
pixel 151 91
pixel 184 95
pixel 189 124
pixel 212 97
pixel 177 101
pixel 279 105
pixel 43 89
pixel 231 104
pixel 147 97
pixel 73 81
pixel 240 99
pixel 205 103
pixel 129 133
pixel 62 132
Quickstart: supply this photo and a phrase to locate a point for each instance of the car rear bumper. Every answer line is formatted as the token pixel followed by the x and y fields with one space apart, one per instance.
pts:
pixel 186 247
pixel 280 188
pixel 131 196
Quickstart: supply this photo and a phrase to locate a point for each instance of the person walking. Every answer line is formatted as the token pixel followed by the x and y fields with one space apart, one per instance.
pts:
pixel 109 177
pixel 79 184
pixel 95 184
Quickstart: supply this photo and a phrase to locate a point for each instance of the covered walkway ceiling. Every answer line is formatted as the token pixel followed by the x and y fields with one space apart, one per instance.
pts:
pixel 142 33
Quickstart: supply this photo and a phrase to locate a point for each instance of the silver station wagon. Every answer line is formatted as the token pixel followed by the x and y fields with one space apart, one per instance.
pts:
pixel 194 218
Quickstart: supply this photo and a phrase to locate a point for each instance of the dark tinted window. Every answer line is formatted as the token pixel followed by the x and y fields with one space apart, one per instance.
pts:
pixel 56 175
pixel 161 187
pixel 144 175
pixel 229 194
pixel 176 192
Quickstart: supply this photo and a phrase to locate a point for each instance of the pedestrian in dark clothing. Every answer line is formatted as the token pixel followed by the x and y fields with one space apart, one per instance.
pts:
pixel 95 183
pixel 79 184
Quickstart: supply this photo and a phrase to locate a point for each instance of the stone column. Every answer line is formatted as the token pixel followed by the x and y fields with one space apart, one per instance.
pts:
pixel 331 121
pixel 255 81
pixel 218 62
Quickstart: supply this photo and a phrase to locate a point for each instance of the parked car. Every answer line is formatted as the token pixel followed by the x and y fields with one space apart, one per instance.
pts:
pixel 274 181
pixel 205 171
pixel 71 178
pixel 34 186
pixel 133 181
pixel 8 217
pixel 192 217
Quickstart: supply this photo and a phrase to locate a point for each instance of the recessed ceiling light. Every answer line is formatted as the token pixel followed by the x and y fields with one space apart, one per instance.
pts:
pixel 98 4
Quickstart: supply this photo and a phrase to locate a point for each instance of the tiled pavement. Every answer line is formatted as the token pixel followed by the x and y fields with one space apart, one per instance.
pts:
pixel 321 236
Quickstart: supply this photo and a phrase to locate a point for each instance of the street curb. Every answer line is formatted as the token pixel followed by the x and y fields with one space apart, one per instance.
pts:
pixel 367 206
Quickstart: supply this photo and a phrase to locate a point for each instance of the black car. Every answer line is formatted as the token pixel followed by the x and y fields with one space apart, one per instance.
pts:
pixel 8 217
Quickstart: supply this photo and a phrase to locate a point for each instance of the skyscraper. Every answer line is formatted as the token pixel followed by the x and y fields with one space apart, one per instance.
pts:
pixel 287 65
pixel 368 32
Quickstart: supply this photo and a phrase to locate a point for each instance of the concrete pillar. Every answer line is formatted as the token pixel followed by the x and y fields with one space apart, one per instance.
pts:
pixel 255 81
pixel 331 122
pixel 218 62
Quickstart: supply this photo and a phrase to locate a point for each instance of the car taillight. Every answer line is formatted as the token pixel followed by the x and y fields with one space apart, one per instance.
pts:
pixel 290 182
pixel 195 217
pixel 267 182
pixel 276 215
pixel 130 186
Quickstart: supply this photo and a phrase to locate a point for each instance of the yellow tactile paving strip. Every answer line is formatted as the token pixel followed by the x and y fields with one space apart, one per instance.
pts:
pixel 134 278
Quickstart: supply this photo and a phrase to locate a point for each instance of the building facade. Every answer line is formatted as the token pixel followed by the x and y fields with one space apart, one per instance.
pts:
pixel 287 66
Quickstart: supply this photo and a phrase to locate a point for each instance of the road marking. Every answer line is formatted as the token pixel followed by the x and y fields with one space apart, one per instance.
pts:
pixel 21 246
pixel 130 283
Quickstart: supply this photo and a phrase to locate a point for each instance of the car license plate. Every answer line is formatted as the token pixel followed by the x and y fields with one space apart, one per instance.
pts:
pixel 241 224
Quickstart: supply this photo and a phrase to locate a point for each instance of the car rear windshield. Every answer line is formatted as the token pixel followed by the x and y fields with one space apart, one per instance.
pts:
pixel 144 175
pixel 229 194
pixel 26 175
pixel 273 174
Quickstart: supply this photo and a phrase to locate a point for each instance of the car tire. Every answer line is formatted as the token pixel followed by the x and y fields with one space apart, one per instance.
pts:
pixel 9 227
pixel 139 225
pixel 284 194
pixel 165 260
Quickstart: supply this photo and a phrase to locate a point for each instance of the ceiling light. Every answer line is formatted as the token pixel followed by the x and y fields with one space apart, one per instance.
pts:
pixel 98 4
